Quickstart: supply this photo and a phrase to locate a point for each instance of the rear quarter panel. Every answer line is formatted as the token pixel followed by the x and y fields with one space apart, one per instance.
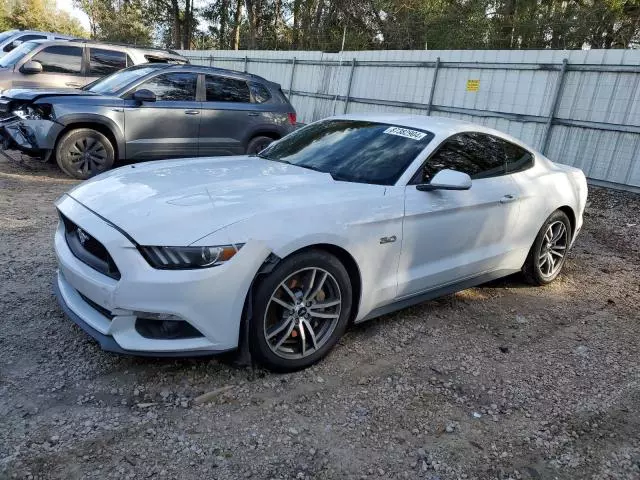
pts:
pixel 544 189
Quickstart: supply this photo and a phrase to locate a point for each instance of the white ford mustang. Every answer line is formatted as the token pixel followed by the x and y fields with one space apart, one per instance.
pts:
pixel 341 221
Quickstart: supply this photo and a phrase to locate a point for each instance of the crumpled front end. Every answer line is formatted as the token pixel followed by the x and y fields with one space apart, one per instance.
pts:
pixel 29 128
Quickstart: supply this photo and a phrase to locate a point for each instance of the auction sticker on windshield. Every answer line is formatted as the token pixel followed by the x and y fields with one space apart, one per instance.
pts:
pixel 405 132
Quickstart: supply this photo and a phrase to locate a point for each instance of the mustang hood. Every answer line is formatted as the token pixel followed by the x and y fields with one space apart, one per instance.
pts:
pixel 175 203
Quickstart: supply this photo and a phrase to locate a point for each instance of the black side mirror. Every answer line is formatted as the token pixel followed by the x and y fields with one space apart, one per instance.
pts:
pixel 31 67
pixel 144 95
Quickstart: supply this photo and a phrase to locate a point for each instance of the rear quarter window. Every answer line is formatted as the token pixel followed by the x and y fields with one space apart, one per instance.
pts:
pixel 259 92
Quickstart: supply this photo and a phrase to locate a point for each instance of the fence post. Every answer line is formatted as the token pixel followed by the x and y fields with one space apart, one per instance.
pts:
pixel 245 64
pixel 433 85
pixel 554 107
pixel 293 68
pixel 346 97
pixel 211 60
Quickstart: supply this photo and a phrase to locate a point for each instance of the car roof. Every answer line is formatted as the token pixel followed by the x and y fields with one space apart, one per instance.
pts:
pixel 149 52
pixel 221 71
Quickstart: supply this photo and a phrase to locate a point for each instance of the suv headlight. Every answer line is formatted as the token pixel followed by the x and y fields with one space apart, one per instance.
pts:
pixel 39 112
pixel 183 258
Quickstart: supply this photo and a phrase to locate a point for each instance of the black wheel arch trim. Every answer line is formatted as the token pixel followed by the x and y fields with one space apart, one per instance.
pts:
pixel 73 121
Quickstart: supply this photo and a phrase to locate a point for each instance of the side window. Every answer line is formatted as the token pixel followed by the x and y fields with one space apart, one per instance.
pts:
pixel 518 159
pixel 224 89
pixel 260 92
pixel 175 86
pixel 60 59
pixel 103 62
pixel 24 38
pixel 476 154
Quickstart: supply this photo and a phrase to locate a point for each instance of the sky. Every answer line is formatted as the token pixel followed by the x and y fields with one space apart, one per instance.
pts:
pixel 67 5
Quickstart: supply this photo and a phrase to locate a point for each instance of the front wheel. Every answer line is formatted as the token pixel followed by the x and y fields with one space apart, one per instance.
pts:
pixel 300 311
pixel 549 251
pixel 83 153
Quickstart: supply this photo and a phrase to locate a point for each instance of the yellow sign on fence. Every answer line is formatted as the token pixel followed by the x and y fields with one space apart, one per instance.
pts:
pixel 473 85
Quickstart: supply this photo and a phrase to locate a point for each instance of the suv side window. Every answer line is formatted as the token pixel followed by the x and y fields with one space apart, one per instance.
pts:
pixel 518 159
pixel 476 154
pixel 60 59
pixel 174 86
pixel 224 89
pixel 24 38
pixel 103 62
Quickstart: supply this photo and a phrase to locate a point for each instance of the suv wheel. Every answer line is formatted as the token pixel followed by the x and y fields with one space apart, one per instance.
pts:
pixel 257 144
pixel 83 153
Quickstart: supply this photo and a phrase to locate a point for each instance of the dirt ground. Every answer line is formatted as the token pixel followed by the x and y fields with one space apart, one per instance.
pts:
pixel 502 381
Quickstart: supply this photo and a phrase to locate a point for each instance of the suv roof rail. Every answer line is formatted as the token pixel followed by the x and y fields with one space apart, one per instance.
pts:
pixel 122 44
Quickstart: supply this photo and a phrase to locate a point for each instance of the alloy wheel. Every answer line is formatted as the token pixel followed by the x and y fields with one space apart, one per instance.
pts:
pixel 87 154
pixel 302 313
pixel 553 249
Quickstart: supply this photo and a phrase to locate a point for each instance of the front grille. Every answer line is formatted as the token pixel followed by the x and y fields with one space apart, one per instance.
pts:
pixel 89 250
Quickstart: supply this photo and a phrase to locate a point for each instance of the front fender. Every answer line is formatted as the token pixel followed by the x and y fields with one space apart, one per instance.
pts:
pixel 88 119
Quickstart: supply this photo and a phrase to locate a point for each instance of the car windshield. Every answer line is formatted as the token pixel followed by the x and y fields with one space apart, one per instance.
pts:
pixel 352 150
pixel 117 81
pixel 11 58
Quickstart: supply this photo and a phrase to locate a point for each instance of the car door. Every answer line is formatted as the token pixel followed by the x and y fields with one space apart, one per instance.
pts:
pixel 61 68
pixel 104 61
pixel 227 116
pixel 450 236
pixel 168 127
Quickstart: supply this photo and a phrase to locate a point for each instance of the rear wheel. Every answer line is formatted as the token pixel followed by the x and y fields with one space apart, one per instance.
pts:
pixel 300 311
pixel 257 144
pixel 549 251
pixel 83 153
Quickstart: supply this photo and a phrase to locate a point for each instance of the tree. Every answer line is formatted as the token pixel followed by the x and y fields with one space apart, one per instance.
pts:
pixel 39 15
pixel 118 21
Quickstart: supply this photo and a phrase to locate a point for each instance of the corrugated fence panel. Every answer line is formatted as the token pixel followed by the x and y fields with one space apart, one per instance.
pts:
pixel 596 125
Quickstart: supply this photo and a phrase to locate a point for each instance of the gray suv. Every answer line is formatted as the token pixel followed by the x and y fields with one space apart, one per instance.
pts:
pixel 42 63
pixel 146 112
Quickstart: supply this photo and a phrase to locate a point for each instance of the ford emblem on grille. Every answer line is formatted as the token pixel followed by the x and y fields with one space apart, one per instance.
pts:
pixel 83 236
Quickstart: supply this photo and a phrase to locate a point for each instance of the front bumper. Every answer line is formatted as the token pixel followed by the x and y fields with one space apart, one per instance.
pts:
pixel 32 137
pixel 210 300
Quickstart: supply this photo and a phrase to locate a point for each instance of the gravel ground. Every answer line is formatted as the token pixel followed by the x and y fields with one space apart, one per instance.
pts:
pixel 502 381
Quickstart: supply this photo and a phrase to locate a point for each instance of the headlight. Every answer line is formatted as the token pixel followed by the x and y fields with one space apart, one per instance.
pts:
pixel 180 258
pixel 40 112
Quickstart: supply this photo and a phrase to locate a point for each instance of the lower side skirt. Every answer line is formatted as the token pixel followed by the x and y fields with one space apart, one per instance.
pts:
pixel 437 292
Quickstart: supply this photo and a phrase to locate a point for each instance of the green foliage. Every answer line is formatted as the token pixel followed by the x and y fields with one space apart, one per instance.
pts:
pixel 118 21
pixel 38 15
pixel 370 24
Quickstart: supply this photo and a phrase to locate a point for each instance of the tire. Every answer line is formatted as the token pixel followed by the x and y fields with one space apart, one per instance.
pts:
pixel 83 153
pixel 537 269
pixel 302 335
pixel 257 144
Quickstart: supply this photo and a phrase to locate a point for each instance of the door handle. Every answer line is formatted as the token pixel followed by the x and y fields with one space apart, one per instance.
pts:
pixel 192 112
pixel 253 114
pixel 508 198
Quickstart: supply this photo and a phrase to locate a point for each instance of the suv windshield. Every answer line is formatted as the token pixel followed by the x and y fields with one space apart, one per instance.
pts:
pixel 11 58
pixel 352 150
pixel 116 81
